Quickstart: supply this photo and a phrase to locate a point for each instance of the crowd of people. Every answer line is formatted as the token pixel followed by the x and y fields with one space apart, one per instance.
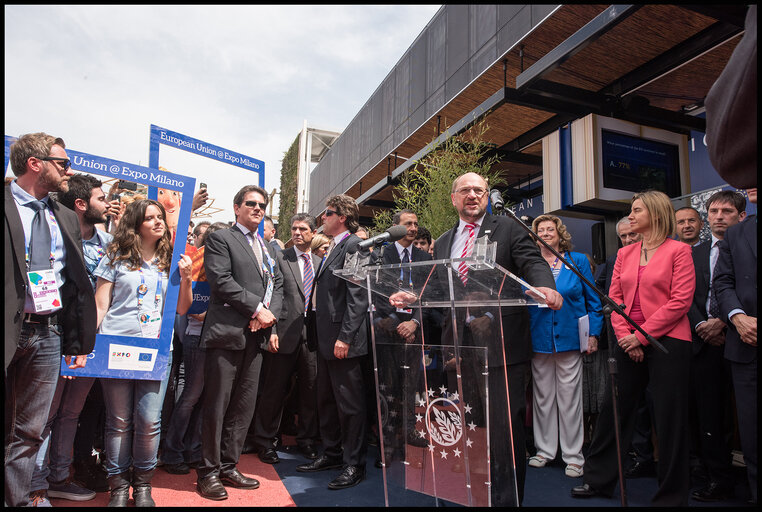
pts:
pixel 284 347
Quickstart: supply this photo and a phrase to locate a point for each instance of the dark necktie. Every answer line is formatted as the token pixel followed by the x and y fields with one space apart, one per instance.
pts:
pixel 714 307
pixel 405 273
pixel 39 244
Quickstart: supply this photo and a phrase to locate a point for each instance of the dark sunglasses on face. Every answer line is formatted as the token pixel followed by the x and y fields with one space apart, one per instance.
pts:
pixel 252 204
pixel 65 162
pixel 328 213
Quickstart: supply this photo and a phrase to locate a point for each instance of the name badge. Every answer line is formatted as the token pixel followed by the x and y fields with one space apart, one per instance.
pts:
pixel 44 290
pixel 150 323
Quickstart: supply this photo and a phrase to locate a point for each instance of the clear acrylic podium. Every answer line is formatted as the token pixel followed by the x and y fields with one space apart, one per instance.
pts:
pixel 442 390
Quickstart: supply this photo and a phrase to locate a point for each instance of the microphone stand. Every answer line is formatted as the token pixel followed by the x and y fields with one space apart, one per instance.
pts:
pixel 614 393
pixel 608 302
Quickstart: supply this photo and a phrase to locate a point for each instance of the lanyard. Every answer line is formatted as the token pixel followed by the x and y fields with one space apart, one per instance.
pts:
pixel 53 240
pixel 143 289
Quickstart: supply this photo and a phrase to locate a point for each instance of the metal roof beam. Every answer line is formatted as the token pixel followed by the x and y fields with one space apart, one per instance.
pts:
pixel 594 29
pixel 680 54
pixel 734 14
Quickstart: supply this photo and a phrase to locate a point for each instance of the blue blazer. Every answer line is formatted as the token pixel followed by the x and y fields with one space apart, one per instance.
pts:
pixel 559 328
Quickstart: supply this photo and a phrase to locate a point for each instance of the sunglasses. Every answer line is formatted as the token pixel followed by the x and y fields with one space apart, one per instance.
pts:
pixel 328 213
pixel 65 162
pixel 253 204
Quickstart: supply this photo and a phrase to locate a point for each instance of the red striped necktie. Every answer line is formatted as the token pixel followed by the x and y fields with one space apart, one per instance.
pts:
pixel 467 250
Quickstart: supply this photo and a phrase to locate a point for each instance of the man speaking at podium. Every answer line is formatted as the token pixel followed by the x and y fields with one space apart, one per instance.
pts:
pixel 516 252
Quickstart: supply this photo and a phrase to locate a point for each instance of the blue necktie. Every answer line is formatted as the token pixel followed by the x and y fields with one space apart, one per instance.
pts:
pixel 307 281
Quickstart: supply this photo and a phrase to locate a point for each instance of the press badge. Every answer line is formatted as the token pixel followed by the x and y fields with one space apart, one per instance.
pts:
pixel 44 290
pixel 150 323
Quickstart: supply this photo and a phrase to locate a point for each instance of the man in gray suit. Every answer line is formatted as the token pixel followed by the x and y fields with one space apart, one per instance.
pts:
pixel 246 296
pixel 292 352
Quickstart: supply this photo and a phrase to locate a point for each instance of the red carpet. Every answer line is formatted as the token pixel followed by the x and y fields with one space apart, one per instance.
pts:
pixel 180 490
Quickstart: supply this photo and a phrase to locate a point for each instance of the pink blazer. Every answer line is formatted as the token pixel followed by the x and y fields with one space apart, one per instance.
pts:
pixel 665 290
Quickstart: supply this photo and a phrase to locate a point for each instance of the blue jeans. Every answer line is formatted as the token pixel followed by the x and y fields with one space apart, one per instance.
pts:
pixel 55 454
pixel 133 422
pixel 30 382
pixel 184 430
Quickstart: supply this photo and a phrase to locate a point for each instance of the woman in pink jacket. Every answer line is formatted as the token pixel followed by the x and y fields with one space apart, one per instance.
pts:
pixel 655 279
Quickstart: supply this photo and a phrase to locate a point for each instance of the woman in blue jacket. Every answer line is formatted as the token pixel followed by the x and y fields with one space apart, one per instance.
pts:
pixel 557 363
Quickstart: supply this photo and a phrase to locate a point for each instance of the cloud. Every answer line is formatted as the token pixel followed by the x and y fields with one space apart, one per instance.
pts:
pixel 240 77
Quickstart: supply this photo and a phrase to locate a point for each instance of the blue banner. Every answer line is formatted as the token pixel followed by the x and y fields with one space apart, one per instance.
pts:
pixel 133 357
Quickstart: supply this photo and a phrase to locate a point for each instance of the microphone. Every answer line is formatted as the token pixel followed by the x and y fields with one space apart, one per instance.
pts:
pixel 392 234
pixel 497 199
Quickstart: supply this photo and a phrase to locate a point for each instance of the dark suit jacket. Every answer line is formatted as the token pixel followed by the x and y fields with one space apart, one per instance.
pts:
pixel 237 287
pixel 697 313
pixel 341 308
pixel 735 283
pixel 419 274
pixel 78 316
pixel 604 273
pixel 290 327
pixel 515 252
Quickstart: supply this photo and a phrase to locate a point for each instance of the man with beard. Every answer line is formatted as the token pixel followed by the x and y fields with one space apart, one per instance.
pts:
pixel 49 302
pixel 87 199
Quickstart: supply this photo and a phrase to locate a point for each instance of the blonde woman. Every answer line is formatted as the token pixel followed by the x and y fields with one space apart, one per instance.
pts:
pixel 656 279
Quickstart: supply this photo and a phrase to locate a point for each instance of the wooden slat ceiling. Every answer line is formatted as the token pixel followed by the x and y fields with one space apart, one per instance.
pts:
pixel 647 33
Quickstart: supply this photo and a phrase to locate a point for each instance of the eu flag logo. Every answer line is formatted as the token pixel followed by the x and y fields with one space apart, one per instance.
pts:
pixel 144 357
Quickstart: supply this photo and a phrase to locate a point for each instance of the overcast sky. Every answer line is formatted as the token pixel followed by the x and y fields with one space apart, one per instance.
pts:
pixel 240 77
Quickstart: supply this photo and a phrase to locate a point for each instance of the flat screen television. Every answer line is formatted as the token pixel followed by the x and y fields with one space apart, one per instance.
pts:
pixel 635 163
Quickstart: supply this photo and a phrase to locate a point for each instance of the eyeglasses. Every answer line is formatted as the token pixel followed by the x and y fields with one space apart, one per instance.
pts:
pixel 65 162
pixel 478 191
pixel 253 204
pixel 328 213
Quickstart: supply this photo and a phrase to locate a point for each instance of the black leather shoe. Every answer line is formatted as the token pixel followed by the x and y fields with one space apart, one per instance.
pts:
pixel 249 447
pixel 180 468
pixel 211 488
pixel 321 464
pixel 378 464
pixel 712 492
pixel 309 451
pixel 269 456
pixel 236 479
pixel 584 491
pixel 640 470
pixel 351 476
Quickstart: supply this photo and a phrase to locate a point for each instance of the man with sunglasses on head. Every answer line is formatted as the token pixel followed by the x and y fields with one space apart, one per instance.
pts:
pixel 49 302
pixel 246 296
pixel 340 326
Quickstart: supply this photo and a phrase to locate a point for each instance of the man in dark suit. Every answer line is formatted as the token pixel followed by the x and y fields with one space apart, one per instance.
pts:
pixel 41 239
pixel 735 286
pixel 710 372
pixel 291 353
pixel 246 296
pixel 517 253
pixel 341 312
pixel 400 331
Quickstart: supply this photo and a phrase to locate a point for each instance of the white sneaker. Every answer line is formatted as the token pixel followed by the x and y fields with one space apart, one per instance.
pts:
pixel 574 471
pixel 538 461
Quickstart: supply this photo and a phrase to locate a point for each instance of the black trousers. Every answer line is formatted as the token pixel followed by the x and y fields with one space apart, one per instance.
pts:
pixel 231 379
pixel 277 370
pixel 669 378
pixel 342 405
pixel 711 388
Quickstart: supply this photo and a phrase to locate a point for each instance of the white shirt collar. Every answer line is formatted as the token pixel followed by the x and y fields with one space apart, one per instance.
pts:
pixel 245 230
pixel 714 241
pixel 462 224
pixel 400 248
pixel 299 252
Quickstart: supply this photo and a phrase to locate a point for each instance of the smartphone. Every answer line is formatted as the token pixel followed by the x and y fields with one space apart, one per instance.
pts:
pixel 128 185
pixel 201 185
